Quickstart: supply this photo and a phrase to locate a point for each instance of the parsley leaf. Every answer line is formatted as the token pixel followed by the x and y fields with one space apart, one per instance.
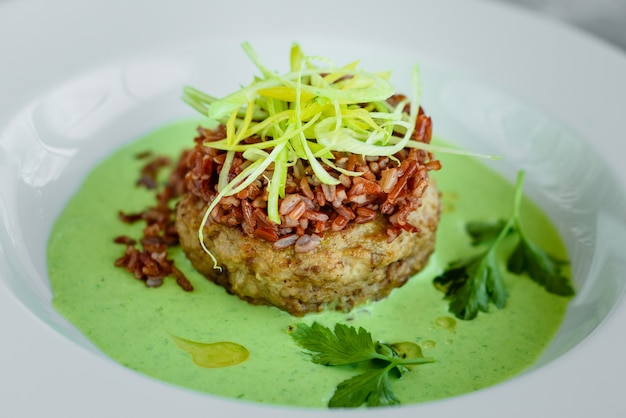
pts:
pixel 484 232
pixel 533 260
pixel 372 387
pixel 540 267
pixel 473 283
pixel 347 345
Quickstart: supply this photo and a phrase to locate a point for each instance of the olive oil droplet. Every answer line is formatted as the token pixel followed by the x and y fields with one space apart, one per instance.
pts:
pixel 213 355
pixel 446 322
pixel 428 344
pixel 407 350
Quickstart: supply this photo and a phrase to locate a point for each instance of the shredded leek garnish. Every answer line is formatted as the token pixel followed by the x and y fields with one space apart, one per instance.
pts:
pixel 307 113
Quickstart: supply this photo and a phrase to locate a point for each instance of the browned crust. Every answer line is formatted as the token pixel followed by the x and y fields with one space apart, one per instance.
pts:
pixel 348 268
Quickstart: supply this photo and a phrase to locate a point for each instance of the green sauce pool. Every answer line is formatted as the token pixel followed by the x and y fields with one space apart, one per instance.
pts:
pixel 158 331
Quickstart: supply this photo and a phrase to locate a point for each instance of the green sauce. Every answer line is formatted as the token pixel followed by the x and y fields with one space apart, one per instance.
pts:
pixel 154 331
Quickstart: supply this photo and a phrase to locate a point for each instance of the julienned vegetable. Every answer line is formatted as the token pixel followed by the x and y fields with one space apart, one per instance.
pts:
pixel 309 113
pixel 472 283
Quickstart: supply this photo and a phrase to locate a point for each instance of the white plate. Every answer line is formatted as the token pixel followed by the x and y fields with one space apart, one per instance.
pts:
pixel 77 79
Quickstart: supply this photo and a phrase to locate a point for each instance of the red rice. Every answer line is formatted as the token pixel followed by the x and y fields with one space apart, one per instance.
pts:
pixel 385 188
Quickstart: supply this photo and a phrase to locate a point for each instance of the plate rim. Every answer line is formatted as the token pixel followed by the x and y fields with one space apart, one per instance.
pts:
pixel 605 334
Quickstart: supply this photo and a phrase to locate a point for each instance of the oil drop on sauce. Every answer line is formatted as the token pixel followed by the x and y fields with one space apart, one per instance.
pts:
pixel 134 325
pixel 446 322
pixel 213 355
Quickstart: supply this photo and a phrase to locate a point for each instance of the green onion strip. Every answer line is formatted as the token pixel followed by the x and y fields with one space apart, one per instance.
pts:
pixel 306 114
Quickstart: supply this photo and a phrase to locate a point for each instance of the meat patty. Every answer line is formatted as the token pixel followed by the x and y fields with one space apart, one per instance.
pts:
pixel 348 268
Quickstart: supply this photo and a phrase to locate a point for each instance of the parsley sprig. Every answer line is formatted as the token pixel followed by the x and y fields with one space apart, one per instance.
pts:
pixel 347 345
pixel 472 283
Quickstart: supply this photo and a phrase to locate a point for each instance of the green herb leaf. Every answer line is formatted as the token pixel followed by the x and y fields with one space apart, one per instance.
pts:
pixel 346 346
pixel 484 232
pixel 540 267
pixel 473 283
pixel 372 388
